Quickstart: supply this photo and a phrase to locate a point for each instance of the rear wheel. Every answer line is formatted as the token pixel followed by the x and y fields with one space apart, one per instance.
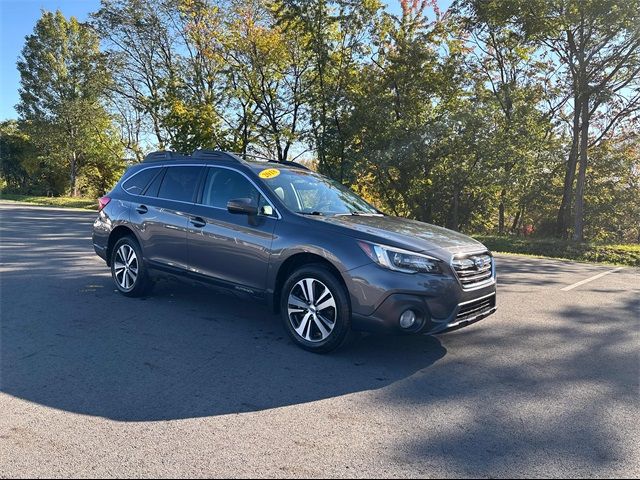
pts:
pixel 128 269
pixel 315 309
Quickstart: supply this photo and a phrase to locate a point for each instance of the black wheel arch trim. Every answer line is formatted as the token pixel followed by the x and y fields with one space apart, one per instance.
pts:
pixel 277 277
pixel 115 235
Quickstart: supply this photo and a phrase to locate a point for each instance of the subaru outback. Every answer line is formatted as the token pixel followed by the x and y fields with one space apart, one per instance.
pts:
pixel 319 255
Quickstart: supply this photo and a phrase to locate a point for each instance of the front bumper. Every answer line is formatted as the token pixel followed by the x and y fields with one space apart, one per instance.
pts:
pixel 468 313
pixel 440 303
pixel 386 318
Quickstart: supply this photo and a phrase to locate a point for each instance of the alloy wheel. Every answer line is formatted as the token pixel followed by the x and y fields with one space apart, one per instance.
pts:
pixel 126 267
pixel 312 310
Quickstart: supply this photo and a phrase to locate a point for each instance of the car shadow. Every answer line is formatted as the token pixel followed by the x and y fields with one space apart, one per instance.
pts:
pixel 70 341
pixel 186 352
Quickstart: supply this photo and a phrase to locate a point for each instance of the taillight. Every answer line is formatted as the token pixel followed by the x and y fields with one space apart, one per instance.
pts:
pixel 103 202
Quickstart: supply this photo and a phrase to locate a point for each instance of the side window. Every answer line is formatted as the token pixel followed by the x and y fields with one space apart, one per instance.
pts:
pixel 138 181
pixel 223 185
pixel 179 183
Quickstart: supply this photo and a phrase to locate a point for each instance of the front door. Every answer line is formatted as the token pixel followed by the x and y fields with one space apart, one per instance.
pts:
pixel 231 248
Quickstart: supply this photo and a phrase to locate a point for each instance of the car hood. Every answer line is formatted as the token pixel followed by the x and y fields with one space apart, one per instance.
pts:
pixel 402 232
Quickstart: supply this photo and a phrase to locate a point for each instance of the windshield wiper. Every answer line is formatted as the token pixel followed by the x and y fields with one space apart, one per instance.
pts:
pixel 310 213
pixel 361 213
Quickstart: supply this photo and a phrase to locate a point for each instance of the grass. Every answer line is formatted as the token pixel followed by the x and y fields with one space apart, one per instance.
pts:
pixel 623 254
pixel 66 202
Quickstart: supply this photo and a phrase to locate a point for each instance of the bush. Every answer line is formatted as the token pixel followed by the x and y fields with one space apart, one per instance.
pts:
pixel 628 254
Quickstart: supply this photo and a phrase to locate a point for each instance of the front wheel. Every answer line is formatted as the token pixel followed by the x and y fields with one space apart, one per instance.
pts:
pixel 128 271
pixel 315 309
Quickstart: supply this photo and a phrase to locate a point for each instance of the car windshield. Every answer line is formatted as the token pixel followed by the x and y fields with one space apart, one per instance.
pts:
pixel 309 193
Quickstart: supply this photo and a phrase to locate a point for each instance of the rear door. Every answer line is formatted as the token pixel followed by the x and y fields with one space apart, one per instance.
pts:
pixel 231 248
pixel 162 213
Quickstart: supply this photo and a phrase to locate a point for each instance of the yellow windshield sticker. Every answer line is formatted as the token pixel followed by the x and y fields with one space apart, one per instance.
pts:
pixel 269 173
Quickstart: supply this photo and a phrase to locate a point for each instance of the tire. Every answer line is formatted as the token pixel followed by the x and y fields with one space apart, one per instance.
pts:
pixel 128 270
pixel 318 330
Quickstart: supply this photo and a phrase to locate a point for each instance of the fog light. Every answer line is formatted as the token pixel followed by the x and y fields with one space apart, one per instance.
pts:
pixel 408 319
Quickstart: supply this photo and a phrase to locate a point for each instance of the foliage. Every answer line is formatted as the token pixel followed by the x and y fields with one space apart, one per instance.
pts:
pixel 510 117
pixel 594 47
pixel 63 80
pixel 15 149
pixel 623 254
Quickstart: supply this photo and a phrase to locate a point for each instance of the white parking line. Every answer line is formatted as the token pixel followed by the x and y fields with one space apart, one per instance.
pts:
pixel 590 279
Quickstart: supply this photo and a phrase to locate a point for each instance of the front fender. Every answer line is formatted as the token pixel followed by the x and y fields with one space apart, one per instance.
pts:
pixel 304 238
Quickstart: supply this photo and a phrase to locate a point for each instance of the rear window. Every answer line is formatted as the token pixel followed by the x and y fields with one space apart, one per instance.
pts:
pixel 179 183
pixel 136 184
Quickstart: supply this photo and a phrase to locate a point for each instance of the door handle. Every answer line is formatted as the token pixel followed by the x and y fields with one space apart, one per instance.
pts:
pixel 197 222
pixel 142 209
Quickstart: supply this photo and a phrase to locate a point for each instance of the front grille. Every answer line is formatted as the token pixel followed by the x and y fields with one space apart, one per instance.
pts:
pixel 473 270
pixel 475 308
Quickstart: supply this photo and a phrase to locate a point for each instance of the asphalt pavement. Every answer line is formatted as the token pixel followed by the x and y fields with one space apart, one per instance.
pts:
pixel 193 382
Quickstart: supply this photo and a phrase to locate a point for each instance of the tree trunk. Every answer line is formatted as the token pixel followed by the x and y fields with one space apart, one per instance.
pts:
pixel 503 194
pixel 245 129
pixel 158 133
pixel 584 91
pixel 427 206
pixel 74 174
pixel 320 65
pixel 514 225
pixel 520 224
pixel 564 214
pixel 578 230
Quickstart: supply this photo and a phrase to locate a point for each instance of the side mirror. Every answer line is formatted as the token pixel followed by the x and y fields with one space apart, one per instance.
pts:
pixel 242 206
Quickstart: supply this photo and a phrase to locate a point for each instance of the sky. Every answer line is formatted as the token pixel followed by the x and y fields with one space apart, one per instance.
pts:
pixel 17 19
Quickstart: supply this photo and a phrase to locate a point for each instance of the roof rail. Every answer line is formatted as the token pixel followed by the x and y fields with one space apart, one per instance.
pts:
pixel 161 156
pixel 260 157
pixel 164 155
pixel 204 154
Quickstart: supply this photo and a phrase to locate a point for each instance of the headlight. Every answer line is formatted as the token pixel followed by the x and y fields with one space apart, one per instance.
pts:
pixel 400 260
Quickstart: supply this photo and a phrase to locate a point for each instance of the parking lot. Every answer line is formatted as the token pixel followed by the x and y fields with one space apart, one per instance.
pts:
pixel 191 382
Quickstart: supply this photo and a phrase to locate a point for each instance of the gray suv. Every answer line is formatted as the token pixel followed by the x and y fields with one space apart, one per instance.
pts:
pixel 318 254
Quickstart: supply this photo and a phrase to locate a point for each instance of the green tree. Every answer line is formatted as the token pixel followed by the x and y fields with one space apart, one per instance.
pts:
pixel 406 102
pixel 15 148
pixel 63 82
pixel 598 43
pixel 271 64
pixel 140 41
pixel 476 119
pixel 510 75
pixel 337 35
pixel 612 209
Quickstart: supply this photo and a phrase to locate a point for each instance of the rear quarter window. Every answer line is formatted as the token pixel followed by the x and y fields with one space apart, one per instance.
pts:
pixel 136 184
pixel 154 187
